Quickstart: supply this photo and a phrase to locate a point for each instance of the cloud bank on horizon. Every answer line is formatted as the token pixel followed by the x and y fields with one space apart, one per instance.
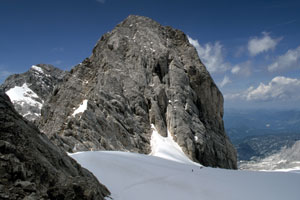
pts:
pixel 280 86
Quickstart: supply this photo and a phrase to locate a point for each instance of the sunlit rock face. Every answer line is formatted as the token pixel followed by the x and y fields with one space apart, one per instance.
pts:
pixel 140 73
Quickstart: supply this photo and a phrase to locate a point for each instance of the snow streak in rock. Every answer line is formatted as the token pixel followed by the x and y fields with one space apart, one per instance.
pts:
pixel 36 68
pixel 82 107
pixel 167 148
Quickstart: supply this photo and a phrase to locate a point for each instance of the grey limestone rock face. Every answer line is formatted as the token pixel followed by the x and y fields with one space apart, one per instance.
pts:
pixel 140 73
pixel 31 167
pixel 28 91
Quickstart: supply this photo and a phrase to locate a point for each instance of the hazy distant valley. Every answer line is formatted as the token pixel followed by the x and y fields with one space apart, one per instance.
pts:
pixel 264 139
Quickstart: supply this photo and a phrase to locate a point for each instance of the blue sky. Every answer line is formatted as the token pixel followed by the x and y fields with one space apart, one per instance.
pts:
pixel 251 48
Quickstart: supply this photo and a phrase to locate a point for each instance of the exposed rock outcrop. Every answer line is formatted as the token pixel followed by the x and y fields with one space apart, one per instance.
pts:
pixel 140 73
pixel 28 91
pixel 31 167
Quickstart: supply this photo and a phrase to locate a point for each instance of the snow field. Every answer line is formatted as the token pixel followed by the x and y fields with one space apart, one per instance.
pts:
pixel 131 176
pixel 168 174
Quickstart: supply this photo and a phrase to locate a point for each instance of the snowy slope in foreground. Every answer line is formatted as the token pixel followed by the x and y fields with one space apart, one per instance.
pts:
pixel 131 176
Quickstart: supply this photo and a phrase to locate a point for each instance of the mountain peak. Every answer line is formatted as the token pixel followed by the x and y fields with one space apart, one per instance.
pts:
pixel 141 73
pixel 138 34
pixel 134 20
pixel 29 90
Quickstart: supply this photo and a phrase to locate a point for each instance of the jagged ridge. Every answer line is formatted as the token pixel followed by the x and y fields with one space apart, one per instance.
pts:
pixel 28 91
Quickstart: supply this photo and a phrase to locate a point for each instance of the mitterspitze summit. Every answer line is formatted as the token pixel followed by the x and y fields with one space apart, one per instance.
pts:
pixel 141 76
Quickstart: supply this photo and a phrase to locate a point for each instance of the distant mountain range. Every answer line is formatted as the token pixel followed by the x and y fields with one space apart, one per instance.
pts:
pixel 241 124
pixel 262 135
pixel 286 159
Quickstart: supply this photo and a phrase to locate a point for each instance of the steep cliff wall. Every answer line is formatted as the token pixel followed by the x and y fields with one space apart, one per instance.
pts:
pixel 140 73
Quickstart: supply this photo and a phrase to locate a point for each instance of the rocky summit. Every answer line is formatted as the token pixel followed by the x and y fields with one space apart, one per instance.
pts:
pixel 31 167
pixel 28 91
pixel 140 74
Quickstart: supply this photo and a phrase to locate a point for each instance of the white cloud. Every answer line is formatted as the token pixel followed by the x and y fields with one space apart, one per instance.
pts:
pixel 235 69
pixel 259 45
pixel 225 81
pixel 239 51
pixel 291 59
pixel 279 88
pixel 211 55
pixel 242 69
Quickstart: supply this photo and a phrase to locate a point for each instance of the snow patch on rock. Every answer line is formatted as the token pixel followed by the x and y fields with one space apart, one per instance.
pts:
pixel 24 95
pixel 167 148
pixel 36 68
pixel 196 138
pixel 82 107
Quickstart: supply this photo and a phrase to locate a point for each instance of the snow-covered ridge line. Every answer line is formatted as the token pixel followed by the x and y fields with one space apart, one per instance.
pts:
pixel 25 101
pixel 167 148
pixel 23 95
